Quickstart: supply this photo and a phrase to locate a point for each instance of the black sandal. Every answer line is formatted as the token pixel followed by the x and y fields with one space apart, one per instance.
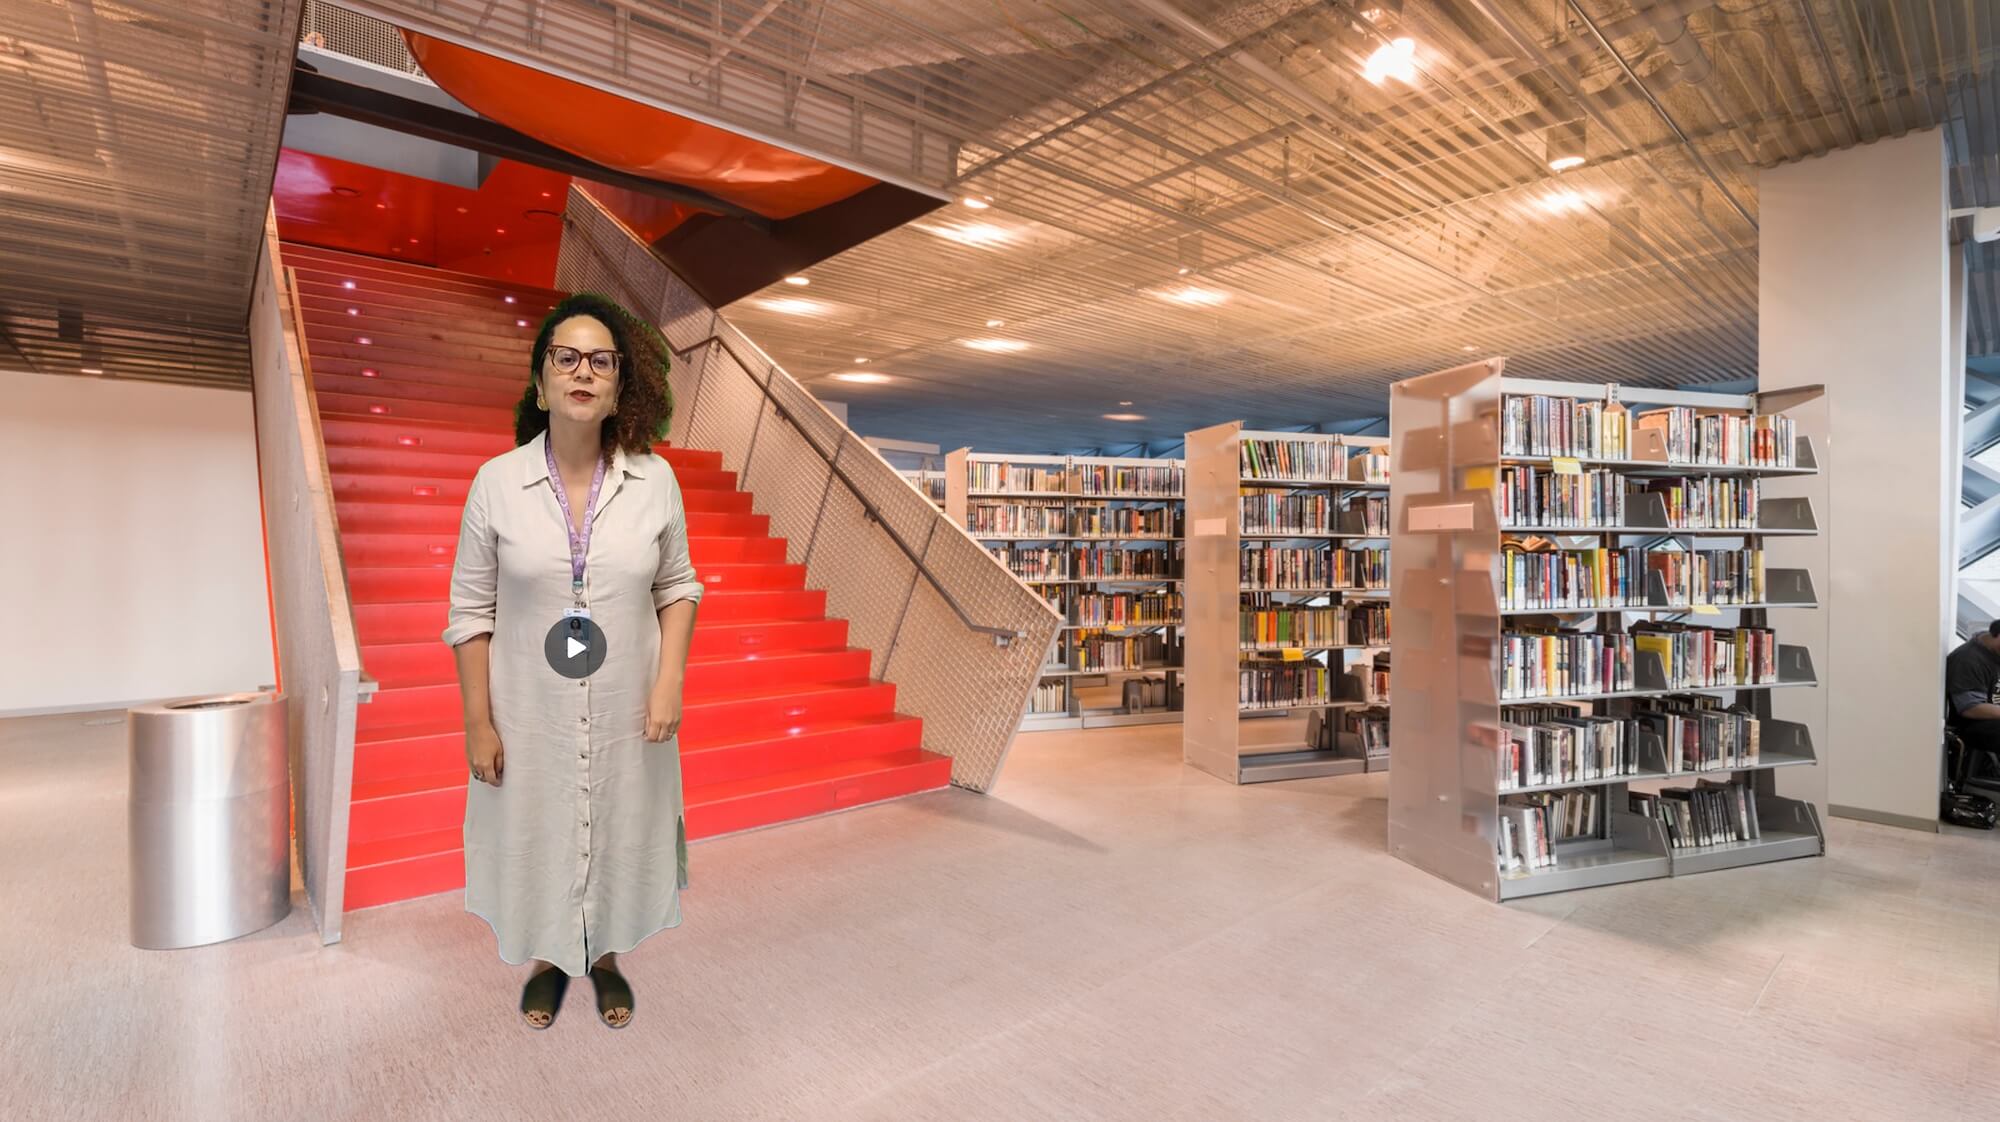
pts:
pixel 544 994
pixel 613 992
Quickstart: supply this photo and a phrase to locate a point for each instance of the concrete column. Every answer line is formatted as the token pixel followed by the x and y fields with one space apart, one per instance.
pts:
pixel 1855 294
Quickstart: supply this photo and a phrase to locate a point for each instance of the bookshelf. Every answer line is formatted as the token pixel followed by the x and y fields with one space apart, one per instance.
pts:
pixel 929 481
pixel 1616 667
pixel 1287 585
pixel 1099 537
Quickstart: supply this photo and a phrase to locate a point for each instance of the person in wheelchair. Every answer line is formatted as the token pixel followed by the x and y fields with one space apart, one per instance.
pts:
pixel 1972 688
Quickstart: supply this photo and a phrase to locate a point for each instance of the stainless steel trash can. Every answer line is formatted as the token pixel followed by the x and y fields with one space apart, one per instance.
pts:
pixel 210 809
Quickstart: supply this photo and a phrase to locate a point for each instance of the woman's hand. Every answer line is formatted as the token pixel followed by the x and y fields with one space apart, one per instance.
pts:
pixel 663 710
pixel 483 753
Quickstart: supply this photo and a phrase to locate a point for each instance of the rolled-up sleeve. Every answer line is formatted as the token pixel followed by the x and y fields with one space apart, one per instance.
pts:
pixel 475 572
pixel 676 579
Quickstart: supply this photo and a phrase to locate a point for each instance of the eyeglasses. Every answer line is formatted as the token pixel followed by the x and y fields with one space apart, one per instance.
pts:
pixel 602 363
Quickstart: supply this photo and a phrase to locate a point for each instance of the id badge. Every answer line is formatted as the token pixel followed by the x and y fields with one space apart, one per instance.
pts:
pixel 577 613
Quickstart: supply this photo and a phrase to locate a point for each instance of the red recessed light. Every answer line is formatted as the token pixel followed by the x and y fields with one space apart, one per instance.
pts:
pixel 381 206
pixel 363 340
pixel 347 284
pixel 520 323
pixel 370 372
pixel 413 241
pixel 408 441
pixel 499 229
pixel 378 409
pixel 424 492
pixel 354 311
pixel 545 194
pixel 510 299
pixel 462 210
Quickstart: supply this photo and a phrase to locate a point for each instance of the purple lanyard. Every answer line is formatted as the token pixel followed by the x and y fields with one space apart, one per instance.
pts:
pixel 579 540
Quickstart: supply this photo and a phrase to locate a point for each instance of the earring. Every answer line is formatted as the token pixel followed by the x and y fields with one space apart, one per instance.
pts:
pixel 541 403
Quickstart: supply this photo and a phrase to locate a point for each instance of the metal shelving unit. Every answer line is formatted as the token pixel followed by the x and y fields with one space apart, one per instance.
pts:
pixel 1212 737
pixel 1444 794
pixel 1065 502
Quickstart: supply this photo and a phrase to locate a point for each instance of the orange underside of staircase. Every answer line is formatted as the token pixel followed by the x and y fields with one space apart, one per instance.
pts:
pixel 416 372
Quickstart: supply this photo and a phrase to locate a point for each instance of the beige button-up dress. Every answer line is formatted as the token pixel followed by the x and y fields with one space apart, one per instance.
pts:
pixel 582 849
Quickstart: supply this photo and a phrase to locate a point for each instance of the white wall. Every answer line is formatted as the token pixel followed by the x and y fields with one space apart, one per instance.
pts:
pixel 1854 293
pixel 131 547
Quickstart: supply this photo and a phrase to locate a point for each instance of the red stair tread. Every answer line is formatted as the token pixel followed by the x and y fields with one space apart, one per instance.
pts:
pixel 361 854
pixel 411 785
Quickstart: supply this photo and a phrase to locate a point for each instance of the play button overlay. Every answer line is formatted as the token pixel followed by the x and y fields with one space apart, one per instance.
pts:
pixel 575 647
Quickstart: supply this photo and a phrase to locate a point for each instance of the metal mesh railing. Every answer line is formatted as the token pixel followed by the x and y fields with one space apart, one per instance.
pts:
pixel 957 634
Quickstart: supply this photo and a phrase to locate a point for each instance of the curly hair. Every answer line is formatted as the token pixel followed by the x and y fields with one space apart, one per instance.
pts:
pixel 645 403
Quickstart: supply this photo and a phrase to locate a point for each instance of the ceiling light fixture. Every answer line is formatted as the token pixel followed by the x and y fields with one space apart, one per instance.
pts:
pixel 865 377
pixel 858 361
pixel 997 346
pixel 1183 271
pixel 1566 145
pixel 975 203
pixel 1124 403
pixel 996 323
pixel 979 234
pixel 794 306
pixel 1563 200
pixel 1124 416
pixel 90 370
pixel 1468 348
pixel 799 280
pixel 1196 295
pixel 1395 59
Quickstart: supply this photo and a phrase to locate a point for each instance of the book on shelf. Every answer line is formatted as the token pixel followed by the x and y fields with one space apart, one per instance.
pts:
pixel 1032 563
pixel 1282 684
pixel 1261 567
pixel 1124 521
pixel 1695 657
pixel 1571 427
pixel 999 475
pixel 990 519
pixel 1531 495
pixel 1361 623
pixel 1136 562
pixel 1553 664
pixel 1280 458
pixel 1371 679
pixel 1707 502
pixel 1130 480
pixel 1699 733
pixel 1369 466
pixel 1716 438
pixel 1524 843
pixel 1577 579
pixel 1312 512
pixel 1709 813
pixel 1121 652
pixel 1129 609
pixel 1545 744
pixel 1051 696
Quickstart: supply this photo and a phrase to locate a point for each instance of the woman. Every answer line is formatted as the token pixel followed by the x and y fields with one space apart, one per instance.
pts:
pixel 575 848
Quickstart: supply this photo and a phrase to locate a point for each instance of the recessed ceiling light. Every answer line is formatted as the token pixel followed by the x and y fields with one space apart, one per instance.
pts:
pixel 1183 270
pixel 997 346
pixel 520 323
pixel 859 360
pixel 797 279
pixel 981 234
pixel 90 370
pixel 462 210
pixel 996 323
pixel 354 311
pixel 1124 416
pixel 1196 295
pixel 1567 145
pixel 1395 59
pixel 1563 200
pixel 510 299
pixel 499 229
pixel 794 306
pixel 974 203
pixel 1124 403
pixel 869 377
pixel 1468 347
pixel 347 284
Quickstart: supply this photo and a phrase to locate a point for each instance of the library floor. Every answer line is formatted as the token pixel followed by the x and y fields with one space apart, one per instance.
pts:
pixel 1110 936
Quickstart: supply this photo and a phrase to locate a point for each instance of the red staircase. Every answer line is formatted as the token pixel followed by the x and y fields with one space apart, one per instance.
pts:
pixel 416 372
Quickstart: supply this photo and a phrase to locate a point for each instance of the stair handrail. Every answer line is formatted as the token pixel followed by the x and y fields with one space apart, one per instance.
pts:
pixel 1002 636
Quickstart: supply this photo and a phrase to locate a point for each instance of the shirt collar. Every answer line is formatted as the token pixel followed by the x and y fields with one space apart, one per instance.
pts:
pixel 535 462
